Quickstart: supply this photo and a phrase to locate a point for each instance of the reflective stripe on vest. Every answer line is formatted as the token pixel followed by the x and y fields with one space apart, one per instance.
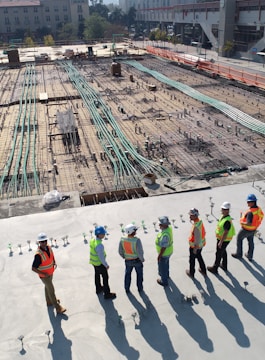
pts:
pixel 169 250
pixel 199 225
pixel 220 229
pixel 129 247
pixel 94 259
pixel 47 263
pixel 256 221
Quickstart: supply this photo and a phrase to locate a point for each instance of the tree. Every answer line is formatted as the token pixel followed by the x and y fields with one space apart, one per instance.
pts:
pixel 66 32
pixel 131 16
pixel 28 41
pixel 48 40
pixel 228 48
pixel 101 10
pixel 117 16
pixel 95 27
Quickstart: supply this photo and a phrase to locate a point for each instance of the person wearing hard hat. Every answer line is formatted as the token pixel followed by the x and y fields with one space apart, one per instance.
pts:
pixel 44 265
pixel 196 242
pixel 249 222
pixel 164 247
pixel 225 231
pixel 131 249
pixel 98 260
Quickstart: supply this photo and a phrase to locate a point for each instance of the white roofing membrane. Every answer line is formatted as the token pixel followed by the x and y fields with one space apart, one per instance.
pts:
pixel 225 318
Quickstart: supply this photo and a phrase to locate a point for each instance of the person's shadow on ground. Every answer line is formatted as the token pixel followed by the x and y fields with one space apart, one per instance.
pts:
pixel 60 346
pixel 249 302
pixel 188 318
pixel 115 330
pixel 225 313
pixel 146 320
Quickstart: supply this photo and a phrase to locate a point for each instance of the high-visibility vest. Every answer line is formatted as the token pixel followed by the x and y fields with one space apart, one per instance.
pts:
pixel 47 263
pixel 220 229
pixel 94 259
pixel 169 250
pixel 257 219
pixel 129 247
pixel 200 226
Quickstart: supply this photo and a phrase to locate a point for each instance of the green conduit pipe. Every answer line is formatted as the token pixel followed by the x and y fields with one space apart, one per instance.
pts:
pixel 235 114
pixel 124 170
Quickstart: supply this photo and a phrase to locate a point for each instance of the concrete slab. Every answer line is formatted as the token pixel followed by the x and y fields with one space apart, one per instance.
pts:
pixel 220 317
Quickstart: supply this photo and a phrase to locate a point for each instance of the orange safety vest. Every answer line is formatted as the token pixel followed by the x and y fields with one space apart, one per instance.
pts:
pixel 129 247
pixel 47 263
pixel 256 221
pixel 200 226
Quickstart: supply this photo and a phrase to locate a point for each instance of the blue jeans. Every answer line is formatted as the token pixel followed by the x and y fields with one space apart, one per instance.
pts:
pixel 129 266
pixel 250 237
pixel 163 269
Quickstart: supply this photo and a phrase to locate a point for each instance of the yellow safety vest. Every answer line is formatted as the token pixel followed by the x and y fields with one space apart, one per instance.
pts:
pixel 169 250
pixel 94 259
pixel 220 229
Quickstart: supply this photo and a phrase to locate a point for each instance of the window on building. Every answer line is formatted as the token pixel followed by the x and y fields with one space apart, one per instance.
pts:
pixel 65 8
pixel 66 18
pixel 7 21
pixel 25 10
pixel 47 9
pixel 16 20
pixel 48 19
pixel 26 20
pixel 56 9
pixel 36 20
pixel 80 17
pixel 79 9
pixel 5 11
pixel 35 9
pixel 57 18
pixel 8 29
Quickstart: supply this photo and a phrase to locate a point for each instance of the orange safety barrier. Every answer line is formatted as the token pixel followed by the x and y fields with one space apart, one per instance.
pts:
pixel 215 69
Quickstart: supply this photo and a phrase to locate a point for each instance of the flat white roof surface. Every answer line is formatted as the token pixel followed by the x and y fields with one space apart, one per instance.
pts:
pixel 224 320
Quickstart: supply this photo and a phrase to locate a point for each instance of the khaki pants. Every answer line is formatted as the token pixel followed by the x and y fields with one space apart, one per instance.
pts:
pixel 49 291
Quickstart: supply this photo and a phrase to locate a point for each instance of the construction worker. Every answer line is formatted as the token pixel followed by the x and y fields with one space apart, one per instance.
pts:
pixel 164 247
pixel 196 242
pixel 44 265
pixel 98 260
pixel 249 222
pixel 225 231
pixel 130 249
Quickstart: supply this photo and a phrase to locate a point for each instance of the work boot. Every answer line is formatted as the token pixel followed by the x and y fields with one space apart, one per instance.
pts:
pixel 50 303
pixel 223 267
pixel 236 256
pixel 189 274
pixel 110 296
pixel 202 272
pixel 60 309
pixel 246 255
pixel 212 269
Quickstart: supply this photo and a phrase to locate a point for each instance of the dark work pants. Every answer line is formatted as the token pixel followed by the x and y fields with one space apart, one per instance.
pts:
pixel 221 255
pixel 197 256
pixel 102 271
pixel 129 266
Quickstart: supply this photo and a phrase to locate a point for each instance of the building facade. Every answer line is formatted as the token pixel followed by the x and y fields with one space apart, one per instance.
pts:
pixel 240 23
pixel 36 14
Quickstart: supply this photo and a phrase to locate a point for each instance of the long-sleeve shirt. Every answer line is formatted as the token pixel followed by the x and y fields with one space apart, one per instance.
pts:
pixel 100 252
pixel 139 250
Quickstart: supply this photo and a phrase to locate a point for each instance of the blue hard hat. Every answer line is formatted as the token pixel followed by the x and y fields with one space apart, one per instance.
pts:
pixel 100 230
pixel 251 197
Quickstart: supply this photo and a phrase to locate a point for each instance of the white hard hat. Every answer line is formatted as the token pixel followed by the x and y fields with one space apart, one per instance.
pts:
pixel 42 237
pixel 130 229
pixel 226 205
